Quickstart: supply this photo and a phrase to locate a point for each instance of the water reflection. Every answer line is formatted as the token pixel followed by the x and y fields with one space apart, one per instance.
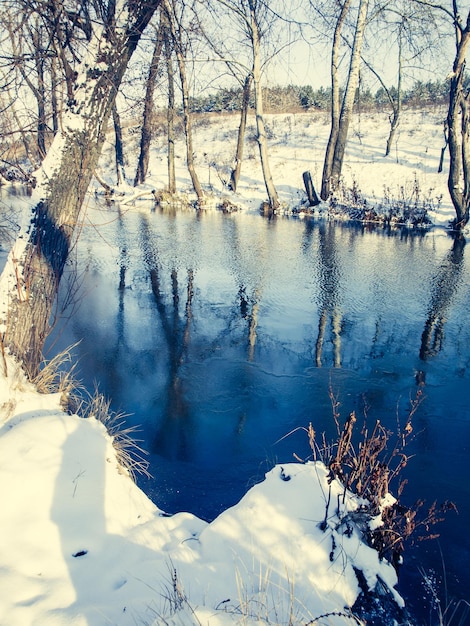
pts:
pixel 445 284
pixel 173 433
pixel 249 310
pixel 330 285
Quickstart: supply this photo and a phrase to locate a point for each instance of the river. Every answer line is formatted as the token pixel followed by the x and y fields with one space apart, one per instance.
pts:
pixel 223 336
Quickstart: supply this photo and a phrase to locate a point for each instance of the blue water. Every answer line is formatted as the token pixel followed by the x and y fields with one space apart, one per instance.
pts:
pixel 221 334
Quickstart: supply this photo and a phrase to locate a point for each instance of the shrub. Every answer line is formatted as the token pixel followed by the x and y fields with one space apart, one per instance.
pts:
pixel 370 466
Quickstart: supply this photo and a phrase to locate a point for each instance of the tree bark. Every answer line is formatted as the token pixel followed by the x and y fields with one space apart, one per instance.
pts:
pixel 63 180
pixel 146 133
pixel 235 175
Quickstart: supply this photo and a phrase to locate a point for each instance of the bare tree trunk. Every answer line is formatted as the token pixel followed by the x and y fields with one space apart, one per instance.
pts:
pixel 348 99
pixel 146 133
pixel 458 131
pixel 170 111
pixel 273 198
pixel 178 46
pixel 235 175
pixel 335 102
pixel 119 148
pixel 396 105
pixel 63 181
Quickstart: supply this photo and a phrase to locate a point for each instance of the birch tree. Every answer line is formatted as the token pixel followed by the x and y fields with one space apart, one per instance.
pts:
pixel 458 124
pixel 37 260
pixel 176 29
pixel 255 7
pixel 251 22
pixel 171 138
pixel 341 112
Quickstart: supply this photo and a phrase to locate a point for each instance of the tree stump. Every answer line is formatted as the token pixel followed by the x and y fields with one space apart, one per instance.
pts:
pixel 313 199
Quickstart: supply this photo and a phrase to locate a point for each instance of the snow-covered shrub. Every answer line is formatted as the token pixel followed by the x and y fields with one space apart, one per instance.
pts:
pixel 410 207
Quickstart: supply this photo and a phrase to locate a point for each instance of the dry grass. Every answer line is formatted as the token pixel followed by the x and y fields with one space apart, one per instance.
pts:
pixel 370 465
pixel 130 455
pixel 58 376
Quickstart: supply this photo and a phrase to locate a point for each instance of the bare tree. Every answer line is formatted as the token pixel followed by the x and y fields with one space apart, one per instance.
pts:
pixel 171 105
pixel 335 100
pixel 177 33
pixel 252 21
pixel 146 131
pixel 255 8
pixel 65 173
pixel 341 115
pixel 28 57
pixel 416 40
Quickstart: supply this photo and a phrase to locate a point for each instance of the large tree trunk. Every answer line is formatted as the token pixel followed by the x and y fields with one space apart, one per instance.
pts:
pixel 63 180
pixel 335 102
pixel 146 133
pixel 348 99
pixel 458 124
pixel 235 176
pixel 273 198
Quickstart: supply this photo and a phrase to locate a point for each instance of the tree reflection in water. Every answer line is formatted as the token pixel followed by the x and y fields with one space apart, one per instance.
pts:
pixel 444 288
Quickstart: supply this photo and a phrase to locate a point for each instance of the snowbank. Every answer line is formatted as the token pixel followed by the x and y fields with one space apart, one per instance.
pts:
pixel 82 545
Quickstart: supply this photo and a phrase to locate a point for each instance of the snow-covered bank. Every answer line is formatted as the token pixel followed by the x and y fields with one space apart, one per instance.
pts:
pixel 81 544
pixel 297 143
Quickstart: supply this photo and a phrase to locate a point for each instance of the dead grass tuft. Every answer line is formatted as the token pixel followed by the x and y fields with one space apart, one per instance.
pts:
pixel 58 376
pixel 130 455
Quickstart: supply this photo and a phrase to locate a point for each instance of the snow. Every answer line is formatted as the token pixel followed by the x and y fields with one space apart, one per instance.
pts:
pixel 81 544
pixel 297 144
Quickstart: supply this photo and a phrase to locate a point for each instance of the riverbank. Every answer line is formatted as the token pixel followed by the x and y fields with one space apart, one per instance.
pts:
pixel 81 544
pixel 408 177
